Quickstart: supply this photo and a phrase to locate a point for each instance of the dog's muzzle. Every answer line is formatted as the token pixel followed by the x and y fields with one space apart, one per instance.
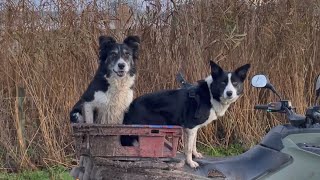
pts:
pixel 120 73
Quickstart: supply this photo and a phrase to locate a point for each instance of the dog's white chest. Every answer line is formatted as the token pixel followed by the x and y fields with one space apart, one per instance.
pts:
pixel 215 112
pixel 212 117
pixel 119 93
pixel 118 98
pixel 113 97
pixel 112 104
pixel 100 98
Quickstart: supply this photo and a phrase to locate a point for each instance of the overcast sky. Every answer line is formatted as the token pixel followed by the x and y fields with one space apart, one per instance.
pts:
pixel 139 4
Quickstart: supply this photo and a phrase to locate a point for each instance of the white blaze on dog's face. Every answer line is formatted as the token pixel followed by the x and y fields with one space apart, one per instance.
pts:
pixel 118 59
pixel 122 63
pixel 230 92
pixel 226 87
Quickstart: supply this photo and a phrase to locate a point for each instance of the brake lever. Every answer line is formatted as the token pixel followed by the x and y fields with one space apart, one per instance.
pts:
pixel 294 118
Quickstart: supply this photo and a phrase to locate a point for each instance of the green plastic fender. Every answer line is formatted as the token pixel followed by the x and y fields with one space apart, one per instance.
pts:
pixel 305 165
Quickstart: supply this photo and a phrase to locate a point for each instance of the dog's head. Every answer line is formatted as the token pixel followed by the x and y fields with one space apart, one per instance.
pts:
pixel 118 58
pixel 226 87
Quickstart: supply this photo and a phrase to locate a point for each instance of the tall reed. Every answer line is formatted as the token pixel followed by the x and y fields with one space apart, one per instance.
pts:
pixel 50 51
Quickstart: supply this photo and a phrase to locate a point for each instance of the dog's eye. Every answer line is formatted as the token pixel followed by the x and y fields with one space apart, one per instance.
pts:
pixel 113 54
pixel 223 83
pixel 127 54
pixel 235 83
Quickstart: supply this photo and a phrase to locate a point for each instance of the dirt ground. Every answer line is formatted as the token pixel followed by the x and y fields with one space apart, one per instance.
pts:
pixel 143 169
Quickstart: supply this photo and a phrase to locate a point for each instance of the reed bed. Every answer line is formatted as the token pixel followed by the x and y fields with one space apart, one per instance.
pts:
pixel 49 54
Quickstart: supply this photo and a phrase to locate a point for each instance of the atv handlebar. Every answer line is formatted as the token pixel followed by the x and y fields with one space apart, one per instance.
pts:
pixel 273 106
pixel 284 106
pixel 312 115
pixel 261 107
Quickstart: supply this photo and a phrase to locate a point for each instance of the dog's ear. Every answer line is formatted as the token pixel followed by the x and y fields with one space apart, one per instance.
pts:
pixel 242 71
pixel 106 40
pixel 216 70
pixel 104 43
pixel 133 42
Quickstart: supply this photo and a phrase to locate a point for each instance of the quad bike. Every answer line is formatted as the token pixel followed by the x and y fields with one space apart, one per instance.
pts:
pixel 290 151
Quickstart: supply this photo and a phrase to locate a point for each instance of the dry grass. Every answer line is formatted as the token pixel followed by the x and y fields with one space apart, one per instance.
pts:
pixel 54 66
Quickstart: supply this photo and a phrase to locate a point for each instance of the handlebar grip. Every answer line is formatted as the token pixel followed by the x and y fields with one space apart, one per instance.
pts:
pixel 263 107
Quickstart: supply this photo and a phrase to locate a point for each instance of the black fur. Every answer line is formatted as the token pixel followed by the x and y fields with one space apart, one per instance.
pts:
pixel 186 107
pixel 170 107
pixel 109 52
pixel 220 79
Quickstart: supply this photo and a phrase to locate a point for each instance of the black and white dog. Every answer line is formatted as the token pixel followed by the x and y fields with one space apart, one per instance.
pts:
pixel 191 108
pixel 110 92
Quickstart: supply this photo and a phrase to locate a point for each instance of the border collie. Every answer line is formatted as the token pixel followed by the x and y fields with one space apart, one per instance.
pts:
pixel 191 108
pixel 110 92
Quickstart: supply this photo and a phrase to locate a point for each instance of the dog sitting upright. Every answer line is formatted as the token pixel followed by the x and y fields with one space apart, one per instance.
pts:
pixel 191 108
pixel 110 92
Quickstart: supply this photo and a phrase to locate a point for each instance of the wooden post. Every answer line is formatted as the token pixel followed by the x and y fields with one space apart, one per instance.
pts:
pixel 20 95
pixel 20 126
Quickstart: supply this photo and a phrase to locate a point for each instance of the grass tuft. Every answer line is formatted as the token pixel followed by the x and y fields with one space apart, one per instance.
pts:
pixel 231 150
pixel 53 173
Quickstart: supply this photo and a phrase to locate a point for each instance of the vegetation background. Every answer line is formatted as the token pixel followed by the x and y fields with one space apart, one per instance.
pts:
pixel 48 55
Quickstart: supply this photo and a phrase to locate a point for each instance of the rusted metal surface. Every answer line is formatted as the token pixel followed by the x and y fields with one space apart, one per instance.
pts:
pixel 104 129
pixel 99 140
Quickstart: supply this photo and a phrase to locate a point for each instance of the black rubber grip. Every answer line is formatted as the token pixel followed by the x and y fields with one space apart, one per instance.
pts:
pixel 263 107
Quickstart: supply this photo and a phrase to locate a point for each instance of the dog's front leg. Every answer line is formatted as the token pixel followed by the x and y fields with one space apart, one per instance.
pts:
pixel 194 150
pixel 190 136
pixel 103 119
pixel 88 113
pixel 102 116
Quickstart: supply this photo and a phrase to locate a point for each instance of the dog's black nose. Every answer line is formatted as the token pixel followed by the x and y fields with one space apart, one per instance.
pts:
pixel 121 65
pixel 229 93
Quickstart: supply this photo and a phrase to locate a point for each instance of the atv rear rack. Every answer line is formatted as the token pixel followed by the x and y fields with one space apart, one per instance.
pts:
pixel 98 140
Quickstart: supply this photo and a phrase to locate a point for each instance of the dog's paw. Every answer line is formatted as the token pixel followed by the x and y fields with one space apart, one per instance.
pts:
pixel 197 154
pixel 192 164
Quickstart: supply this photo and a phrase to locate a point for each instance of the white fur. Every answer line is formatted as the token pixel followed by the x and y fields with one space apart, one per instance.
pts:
pixel 112 104
pixel 121 61
pixel 191 135
pixel 79 117
pixel 87 111
pixel 225 98
pixel 218 109
pixel 230 88
pixel 119 96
